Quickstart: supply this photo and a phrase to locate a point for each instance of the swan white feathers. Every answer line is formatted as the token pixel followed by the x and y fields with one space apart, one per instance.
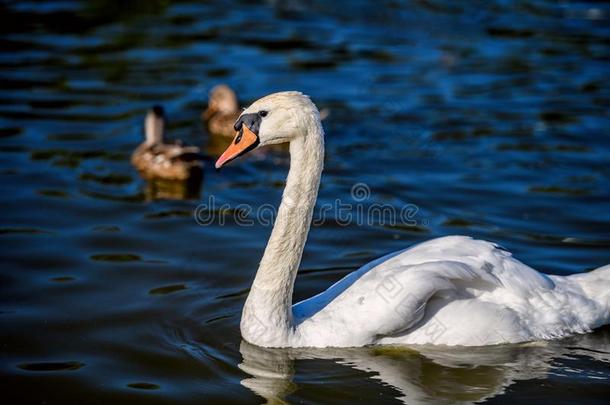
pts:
pixel 448 291
pixel 451 291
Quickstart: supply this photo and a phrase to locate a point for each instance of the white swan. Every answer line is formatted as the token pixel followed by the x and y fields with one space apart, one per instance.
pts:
pixel 448 291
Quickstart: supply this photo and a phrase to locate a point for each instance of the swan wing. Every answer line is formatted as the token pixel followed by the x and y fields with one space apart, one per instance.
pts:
pixel 392 296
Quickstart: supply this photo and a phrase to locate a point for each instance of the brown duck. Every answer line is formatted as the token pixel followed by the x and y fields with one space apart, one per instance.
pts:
pixel 156 159
pixel 222 112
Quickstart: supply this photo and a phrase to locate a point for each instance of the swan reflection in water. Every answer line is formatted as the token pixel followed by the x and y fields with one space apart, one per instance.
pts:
pixel 423 374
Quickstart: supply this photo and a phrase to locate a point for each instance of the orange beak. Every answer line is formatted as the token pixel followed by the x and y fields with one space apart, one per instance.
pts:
pixel 245 140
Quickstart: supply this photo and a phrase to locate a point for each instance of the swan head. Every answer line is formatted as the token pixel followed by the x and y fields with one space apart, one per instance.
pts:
pixel 154 125
pixel 276 118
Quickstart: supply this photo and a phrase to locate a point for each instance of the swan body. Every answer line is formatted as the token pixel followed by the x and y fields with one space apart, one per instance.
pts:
pixel 448 291
pixel 156 159
pixel 451 291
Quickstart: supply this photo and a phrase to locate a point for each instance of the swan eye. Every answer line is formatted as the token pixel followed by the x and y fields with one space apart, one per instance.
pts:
pixel 262 113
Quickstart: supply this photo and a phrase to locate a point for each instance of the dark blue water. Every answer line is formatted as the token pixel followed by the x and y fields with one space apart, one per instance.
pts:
pixel 490 118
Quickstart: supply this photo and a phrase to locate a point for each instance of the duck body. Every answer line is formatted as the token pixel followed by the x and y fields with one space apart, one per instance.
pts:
pixel 171 161
pixel 168 161
pixel 221 124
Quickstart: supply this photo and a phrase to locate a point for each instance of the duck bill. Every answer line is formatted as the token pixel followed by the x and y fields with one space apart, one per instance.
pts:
pixel 245 140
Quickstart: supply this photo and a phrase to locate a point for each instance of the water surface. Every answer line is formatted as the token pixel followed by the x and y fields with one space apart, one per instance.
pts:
pixel 491 119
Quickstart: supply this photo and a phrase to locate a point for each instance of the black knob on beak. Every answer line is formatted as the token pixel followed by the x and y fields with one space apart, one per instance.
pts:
pixel 252 121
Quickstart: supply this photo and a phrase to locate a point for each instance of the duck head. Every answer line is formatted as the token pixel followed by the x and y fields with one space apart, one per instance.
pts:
pixel 222 100
pixel 154 125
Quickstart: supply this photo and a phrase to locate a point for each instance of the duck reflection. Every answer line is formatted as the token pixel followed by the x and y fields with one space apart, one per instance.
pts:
pixel 425 374
pixel 163 189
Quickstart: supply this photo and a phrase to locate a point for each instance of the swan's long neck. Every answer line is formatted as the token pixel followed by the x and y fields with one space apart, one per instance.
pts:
pixel 267 314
